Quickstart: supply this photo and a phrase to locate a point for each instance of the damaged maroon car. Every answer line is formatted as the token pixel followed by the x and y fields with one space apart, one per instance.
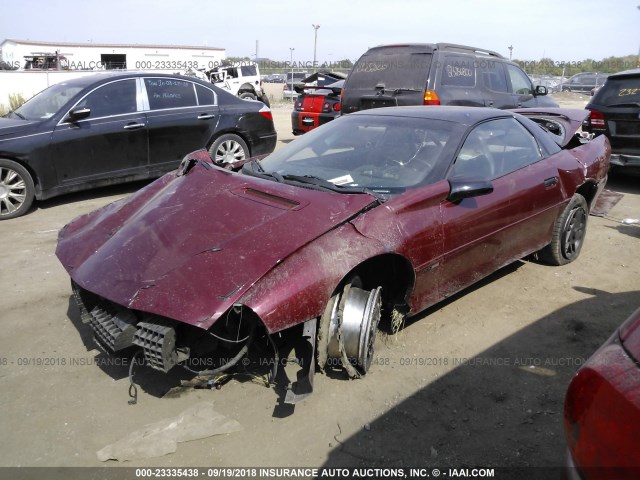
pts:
pixel 376 215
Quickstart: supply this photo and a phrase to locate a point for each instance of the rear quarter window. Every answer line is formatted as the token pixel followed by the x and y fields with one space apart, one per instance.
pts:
pixel 205 96
pixel 458 71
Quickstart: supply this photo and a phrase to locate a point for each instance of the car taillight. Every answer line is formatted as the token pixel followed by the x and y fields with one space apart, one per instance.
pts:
pixel 431 98
pixel 630 335
pixel 602 409
pixel 336 107
pixel 266 113
pixel 298 105
pixel 326 107
pixel 597 119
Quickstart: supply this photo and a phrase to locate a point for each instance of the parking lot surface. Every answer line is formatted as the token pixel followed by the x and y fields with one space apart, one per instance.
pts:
pixel 478 380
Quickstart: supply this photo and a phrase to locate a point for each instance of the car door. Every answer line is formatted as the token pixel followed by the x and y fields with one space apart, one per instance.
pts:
pixel 484 233
pixel 182 117
pixel 110 142
pixel 496 90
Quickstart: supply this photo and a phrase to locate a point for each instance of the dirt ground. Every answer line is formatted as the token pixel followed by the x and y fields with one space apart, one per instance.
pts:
pixel 478 380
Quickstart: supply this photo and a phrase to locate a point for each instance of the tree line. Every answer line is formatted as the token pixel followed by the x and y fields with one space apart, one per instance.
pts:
pixel 551 67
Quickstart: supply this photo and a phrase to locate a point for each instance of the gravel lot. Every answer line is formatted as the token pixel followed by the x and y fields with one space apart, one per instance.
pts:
pixel 477 380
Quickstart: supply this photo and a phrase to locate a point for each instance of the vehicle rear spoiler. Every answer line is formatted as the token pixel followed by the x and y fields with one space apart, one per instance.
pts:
pixel 301 88
pixel 570 118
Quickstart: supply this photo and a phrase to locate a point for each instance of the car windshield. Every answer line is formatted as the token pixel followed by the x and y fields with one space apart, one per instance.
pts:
pixel 46 103
pixel 379 154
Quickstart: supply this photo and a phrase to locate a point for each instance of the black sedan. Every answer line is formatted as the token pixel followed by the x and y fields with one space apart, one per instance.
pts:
pixel 114 128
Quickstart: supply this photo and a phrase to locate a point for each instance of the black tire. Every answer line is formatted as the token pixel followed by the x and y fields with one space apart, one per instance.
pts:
pixel 568 233
pixel 228 148
pixel 16 190
pixel 247 96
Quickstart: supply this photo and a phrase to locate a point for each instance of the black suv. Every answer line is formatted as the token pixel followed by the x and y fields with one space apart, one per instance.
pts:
pixel 615 111
pixel 439 74
pixel 584 82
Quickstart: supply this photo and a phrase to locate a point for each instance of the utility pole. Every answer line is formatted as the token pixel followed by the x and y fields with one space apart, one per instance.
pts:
pixel 291 89
pixel 638 62
pixel 510 47
pixel 315 44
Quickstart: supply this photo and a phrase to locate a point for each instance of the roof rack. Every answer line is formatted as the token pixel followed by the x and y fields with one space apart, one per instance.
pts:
pixel 466 47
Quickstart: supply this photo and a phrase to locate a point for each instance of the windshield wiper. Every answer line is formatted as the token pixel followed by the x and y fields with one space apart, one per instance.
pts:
pixel 19 115
pixel 398 90
pixel 327 185
pixel 255 169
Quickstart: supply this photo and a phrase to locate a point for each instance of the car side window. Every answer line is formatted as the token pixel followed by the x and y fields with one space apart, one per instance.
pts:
pixel 459 71
pixel 232 72
pixel 116 98
pixel 494 149
pixel 520 83
pixel 248 70
pixel 205 95
pixel 170 93
pixel 495 78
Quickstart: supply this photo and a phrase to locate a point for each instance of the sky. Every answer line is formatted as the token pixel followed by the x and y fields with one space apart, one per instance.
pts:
pixel 568 30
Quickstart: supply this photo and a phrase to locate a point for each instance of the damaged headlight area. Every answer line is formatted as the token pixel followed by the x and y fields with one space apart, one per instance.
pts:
pixel 165 343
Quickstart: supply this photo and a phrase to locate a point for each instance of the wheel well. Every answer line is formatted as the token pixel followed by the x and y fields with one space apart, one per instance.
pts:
pixel 392 272
pixel 588 190
pixel 34 177
pixel 233 132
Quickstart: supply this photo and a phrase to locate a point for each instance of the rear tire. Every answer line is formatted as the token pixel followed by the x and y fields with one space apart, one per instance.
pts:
pixel 247 96
pixel 228 148
pixel 16 190
pixel 568 233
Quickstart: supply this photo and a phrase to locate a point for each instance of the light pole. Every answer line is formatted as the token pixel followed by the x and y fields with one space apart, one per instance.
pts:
pixel 315 43
pixel 510 47
pixel 638 62
pixel 291 89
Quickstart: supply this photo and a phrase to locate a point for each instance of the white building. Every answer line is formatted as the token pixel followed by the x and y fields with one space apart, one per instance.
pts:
pixel 99 56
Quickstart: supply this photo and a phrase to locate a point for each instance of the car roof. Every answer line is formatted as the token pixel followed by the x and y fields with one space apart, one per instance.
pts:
pixel 104 77
pixel 462 115
pixel 431 47
pixel 625 73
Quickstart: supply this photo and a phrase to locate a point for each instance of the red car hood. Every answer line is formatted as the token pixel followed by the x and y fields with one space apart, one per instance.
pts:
pixel 186 247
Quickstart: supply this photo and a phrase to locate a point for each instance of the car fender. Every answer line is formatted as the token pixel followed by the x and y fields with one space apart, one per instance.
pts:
pixel 299 287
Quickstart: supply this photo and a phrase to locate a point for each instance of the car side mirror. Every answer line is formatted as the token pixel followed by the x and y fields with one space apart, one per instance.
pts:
pixel 78 114
pixel 541 90
pixel 466 188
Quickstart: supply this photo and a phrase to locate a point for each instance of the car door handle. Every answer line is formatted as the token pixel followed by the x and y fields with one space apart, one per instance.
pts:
pixel 205 116
pixel 133 126
pixel 550 182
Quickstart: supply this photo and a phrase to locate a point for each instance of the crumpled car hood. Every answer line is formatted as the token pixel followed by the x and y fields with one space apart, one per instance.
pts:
pixel 187 247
